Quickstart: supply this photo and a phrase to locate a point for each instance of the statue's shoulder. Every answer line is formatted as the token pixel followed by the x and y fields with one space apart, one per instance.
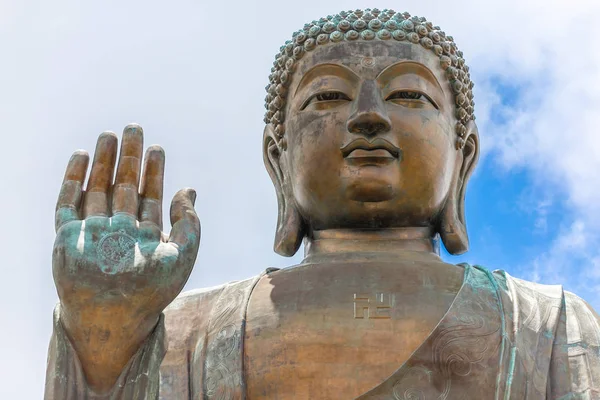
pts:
pixel 189 314
pixel 581 317
pixel 193 298
pixel 544 299
pixel 517 287
pixel 553 331
pixel 196 300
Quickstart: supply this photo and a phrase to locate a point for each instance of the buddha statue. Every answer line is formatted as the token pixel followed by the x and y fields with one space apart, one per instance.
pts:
pixel 370 139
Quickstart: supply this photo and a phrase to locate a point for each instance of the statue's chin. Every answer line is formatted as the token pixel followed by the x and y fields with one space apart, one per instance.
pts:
pixel 371 183
pixel 370 191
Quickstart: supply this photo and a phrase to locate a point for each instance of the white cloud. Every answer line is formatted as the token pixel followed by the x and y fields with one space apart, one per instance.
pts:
pixel 572 258
pixel 551 128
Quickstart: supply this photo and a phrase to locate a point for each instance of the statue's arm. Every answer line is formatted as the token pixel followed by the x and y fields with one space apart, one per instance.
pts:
pixel 575 365
pixel 114 269
pixel 139 379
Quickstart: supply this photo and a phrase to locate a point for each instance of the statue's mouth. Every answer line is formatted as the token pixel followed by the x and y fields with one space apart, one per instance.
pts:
pixel 378 148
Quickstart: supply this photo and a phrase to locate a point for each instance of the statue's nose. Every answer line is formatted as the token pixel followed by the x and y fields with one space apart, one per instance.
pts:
pixel 369 116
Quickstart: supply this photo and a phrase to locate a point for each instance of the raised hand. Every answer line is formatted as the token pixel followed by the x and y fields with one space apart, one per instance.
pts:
pixel 114 269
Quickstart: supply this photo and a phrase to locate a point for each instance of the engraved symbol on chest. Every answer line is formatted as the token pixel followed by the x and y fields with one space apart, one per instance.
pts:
pixel 376 306
pixel 116 251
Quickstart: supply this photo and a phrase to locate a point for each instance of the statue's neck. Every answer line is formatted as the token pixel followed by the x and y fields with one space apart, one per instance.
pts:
pixel 395 242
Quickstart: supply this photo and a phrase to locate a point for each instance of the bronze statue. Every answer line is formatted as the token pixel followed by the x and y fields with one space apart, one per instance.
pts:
pixel 370 140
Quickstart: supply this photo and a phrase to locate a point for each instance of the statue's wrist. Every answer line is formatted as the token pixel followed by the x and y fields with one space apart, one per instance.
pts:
pixel 104 349
pixel 120 329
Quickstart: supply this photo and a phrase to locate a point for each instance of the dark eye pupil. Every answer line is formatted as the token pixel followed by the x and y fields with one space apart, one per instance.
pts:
pixel 408 95
pixel 328 96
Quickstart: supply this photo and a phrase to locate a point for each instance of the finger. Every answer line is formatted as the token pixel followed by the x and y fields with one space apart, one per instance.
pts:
pixel 127 180
pixel 69 199
pixel 184 220
pixel 149 233
pixel 96 195
pixel 152 186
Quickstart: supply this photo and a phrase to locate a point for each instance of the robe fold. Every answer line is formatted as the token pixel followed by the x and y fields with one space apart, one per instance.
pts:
pixel 501 338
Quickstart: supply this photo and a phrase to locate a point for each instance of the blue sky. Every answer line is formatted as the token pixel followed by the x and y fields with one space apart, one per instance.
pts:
pixel 193 74
pixel 503 228
pixel 520 220
pixel 508 217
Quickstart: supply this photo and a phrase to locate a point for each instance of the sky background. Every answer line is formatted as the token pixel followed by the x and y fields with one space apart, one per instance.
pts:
pixel 193 73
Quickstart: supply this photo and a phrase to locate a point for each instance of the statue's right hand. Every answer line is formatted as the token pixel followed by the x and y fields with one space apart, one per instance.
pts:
pixel 114 269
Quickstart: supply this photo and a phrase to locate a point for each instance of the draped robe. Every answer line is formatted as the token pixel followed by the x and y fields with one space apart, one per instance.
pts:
pixel 501 338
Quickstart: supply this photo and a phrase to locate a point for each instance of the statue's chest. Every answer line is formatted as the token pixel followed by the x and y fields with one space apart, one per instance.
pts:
pixel 332 333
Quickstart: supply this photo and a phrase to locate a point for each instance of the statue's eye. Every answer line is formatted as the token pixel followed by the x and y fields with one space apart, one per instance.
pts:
pixel 410 97
pixel 325 99
pixel 331 96
pixel 406 95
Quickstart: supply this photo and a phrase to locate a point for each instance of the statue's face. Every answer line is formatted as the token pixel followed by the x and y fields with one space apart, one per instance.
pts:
pixel 370 132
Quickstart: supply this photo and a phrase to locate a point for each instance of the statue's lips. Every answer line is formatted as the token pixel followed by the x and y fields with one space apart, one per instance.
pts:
pixel 377 153
pixel 361 148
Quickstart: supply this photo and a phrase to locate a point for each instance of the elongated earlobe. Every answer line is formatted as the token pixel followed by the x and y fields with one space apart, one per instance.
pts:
pixel 452 223
pixel 290 225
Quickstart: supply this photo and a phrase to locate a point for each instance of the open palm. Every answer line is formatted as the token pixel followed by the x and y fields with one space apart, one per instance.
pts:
pixel 112 264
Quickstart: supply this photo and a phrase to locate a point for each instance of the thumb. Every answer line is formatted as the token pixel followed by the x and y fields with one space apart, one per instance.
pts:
pixel 185 232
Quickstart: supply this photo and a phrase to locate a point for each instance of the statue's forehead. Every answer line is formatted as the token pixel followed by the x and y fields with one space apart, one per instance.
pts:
pixel 368 58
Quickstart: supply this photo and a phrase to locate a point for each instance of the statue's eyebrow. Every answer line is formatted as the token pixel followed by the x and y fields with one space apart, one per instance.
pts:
pixel 408 67
pixel 337 70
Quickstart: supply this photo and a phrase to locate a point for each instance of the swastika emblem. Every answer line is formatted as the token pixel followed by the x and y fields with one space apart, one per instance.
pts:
pixel 376 306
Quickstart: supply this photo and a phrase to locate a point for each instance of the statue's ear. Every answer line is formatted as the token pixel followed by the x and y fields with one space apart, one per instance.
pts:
pixel 290 225
pixel 452 224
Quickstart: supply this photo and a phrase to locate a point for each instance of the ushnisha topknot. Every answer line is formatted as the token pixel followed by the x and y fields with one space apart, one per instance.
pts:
pixel 371 24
